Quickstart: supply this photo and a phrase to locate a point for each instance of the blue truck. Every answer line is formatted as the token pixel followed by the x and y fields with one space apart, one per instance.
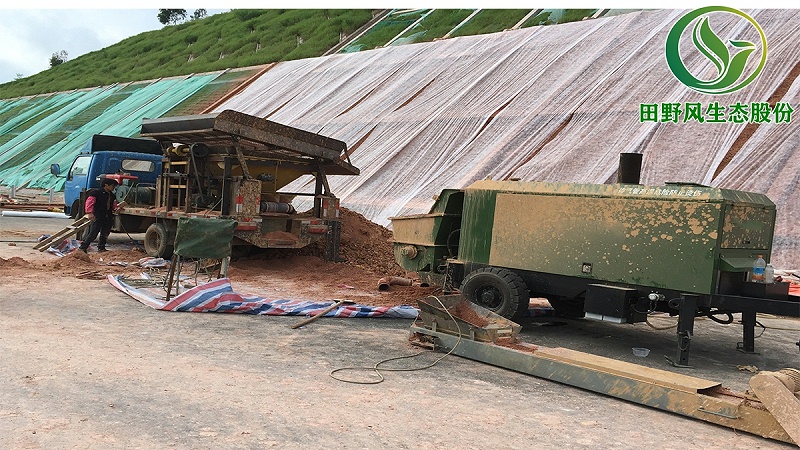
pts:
pixel 125 158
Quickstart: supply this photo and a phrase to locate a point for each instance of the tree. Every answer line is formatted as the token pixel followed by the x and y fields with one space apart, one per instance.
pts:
pixel 199 14
pixel 58 58
pixel 19 76
pixel 171 16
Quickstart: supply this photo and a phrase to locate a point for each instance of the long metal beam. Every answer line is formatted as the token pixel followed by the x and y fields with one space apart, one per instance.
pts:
pixel 689 396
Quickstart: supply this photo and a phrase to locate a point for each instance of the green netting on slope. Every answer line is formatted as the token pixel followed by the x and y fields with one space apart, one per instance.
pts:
pixel 26 159
pixel 210 93
pixel 44 142
pixel 42 120
pixel 121 119
pixel 25 114
pixel 176 93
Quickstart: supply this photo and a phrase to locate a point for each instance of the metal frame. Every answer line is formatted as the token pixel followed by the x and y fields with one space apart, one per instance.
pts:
pixel 689 396
pixel 687 306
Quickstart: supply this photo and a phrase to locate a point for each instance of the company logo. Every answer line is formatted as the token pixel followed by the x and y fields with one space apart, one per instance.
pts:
pixel 732 69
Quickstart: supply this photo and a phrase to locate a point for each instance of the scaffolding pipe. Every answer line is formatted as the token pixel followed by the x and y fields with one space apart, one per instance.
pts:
pixel 416 22
pixel 463 22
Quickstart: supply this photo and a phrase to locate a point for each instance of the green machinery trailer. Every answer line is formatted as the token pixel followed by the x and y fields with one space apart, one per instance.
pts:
pixel 236 166
pixel 612 252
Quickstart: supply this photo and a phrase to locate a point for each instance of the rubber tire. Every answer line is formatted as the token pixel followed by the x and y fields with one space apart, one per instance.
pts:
pixel 73 211
pixel 499 290
pixel 157 242
pixel 241 251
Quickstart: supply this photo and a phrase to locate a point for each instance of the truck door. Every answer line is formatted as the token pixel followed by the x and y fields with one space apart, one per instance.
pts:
pixel 77 180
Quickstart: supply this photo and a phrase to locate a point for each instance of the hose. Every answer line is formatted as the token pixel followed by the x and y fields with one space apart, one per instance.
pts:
pixel 712 315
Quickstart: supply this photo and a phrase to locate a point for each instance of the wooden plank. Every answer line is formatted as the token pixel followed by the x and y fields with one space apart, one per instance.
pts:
pixel 780 401
pixel 75 228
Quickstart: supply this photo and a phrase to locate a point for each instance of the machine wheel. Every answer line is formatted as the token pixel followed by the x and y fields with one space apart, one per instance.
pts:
pixel 241 251
pixel 157 242
pixel 498 290
pixel 73 211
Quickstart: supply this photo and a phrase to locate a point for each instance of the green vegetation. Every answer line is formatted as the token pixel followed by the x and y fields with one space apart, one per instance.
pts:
pixel 491 21
pixel 554 16
pixel 240 38
pixel 385 30
pixel 436 25
pixel 252 37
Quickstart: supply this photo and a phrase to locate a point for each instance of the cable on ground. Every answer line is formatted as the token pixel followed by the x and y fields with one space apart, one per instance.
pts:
pixel 377 369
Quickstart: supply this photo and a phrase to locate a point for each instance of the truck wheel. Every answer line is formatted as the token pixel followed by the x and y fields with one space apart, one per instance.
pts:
pixel 156 241
pixel 73 210
pixel 498 290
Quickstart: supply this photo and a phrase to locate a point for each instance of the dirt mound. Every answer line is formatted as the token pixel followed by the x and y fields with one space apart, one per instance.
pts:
pixel 367 244
pixel 366 256
pixel 14 262
pixel 78 262
pixel 364 244
pixel 75 260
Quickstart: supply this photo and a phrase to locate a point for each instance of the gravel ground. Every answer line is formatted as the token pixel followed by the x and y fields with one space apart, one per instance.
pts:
pixel 85 366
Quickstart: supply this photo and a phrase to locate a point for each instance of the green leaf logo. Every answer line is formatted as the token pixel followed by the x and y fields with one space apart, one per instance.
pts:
pixel 730 70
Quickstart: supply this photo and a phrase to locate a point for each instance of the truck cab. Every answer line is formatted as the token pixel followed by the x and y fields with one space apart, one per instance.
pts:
pixel 139 160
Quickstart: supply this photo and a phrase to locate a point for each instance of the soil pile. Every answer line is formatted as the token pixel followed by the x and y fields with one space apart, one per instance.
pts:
pixel 366 256
pixel 368 245
pixel 363 244
pixel 14 262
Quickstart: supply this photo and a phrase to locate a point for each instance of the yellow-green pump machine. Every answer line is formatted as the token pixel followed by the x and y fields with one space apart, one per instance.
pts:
pixel 612 252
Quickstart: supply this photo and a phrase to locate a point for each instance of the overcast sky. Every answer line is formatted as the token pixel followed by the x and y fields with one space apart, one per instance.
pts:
pixel 29 37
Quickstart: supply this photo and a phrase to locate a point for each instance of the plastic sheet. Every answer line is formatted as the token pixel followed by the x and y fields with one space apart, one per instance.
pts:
pixel 556 103
pixel 52 129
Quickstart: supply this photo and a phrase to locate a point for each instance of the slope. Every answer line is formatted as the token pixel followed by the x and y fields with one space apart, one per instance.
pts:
pixel 548 103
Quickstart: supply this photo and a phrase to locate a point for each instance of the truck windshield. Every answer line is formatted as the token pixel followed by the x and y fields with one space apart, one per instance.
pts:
pixel 79 167
pixel 138 165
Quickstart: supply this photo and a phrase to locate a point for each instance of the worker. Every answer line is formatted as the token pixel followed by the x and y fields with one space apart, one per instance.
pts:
pixel 100 207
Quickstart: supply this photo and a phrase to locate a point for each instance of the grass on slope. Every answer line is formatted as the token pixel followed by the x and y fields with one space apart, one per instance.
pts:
pixel 239 38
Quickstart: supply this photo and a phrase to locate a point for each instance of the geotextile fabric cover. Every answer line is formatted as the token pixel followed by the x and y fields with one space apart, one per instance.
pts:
pixel 549 103
pixel 52 128
pixel 199 237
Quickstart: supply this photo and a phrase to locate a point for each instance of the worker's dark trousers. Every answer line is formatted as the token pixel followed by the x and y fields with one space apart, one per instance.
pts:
pixel 101 227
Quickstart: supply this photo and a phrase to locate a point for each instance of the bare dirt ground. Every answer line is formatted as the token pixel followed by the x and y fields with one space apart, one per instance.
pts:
pixel 366 251
pixel 85 366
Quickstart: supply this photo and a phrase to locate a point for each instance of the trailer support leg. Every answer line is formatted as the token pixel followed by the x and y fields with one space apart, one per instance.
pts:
pixel 748 344
pixel 687 306
pixel 334 237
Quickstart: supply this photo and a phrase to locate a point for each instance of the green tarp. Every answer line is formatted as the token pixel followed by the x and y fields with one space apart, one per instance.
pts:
pixel 199 237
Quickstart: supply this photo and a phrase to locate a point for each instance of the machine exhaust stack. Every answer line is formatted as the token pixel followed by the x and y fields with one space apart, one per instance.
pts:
pixel 630 168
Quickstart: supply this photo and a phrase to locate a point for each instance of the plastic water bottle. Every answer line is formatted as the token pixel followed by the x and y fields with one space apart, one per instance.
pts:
pixel 769 274
pixel 758 269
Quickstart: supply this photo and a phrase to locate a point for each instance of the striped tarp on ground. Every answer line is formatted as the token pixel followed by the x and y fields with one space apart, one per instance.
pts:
pixel 218 296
